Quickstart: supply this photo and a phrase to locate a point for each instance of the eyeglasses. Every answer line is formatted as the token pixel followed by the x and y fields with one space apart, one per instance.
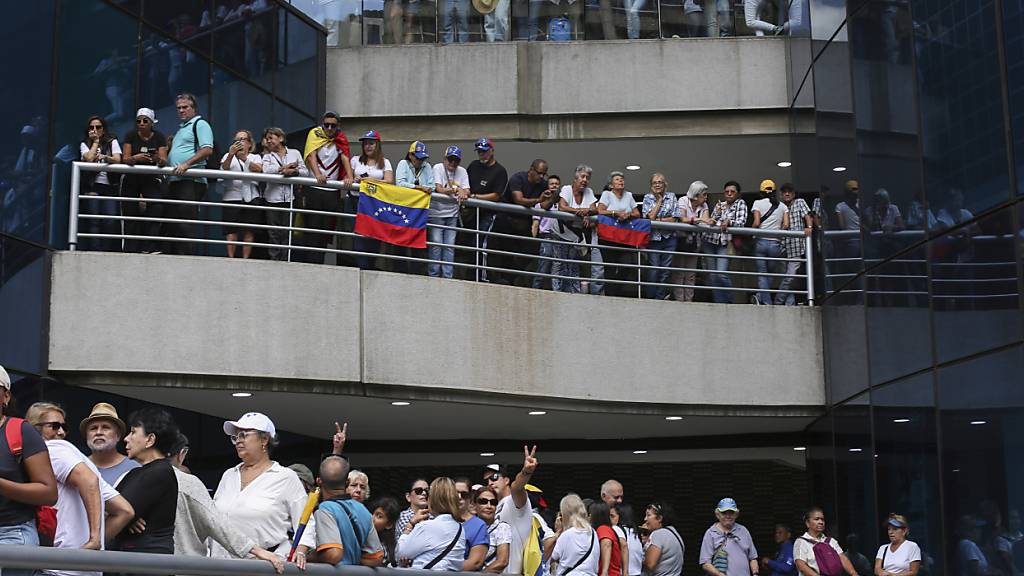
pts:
pixel 487 501
pixel 52 426
pixel 94 127
pixel 421 491
pixel 143 121
pixel 493 477
pixel 463 495
pixel 241 436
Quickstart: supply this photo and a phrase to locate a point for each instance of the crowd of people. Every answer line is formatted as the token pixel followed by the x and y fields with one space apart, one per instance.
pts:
pixel 146 500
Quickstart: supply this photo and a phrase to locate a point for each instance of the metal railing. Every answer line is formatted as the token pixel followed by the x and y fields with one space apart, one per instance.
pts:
pixel 44 558
pixel 626 261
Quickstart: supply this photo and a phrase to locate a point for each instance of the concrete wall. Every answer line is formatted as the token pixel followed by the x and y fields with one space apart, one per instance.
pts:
pixel 545 90
pixel 182 316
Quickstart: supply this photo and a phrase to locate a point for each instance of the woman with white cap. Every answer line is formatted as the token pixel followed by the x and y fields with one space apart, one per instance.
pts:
pixel 259 496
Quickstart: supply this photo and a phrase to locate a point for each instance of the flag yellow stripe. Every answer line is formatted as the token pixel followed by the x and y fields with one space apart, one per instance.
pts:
pixel 409 197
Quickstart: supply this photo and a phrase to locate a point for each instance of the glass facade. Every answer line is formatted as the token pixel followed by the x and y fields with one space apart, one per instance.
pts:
pixel 916 154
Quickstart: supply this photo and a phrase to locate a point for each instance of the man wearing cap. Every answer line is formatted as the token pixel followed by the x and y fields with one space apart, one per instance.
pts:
pixel 769 214
pixel 727 548
pixel 305 476
pixel 452 180
pixel 514 506
pixel 413 171
pixel 143 146
pixel 279 159
pixel 192 145
pixel 102 430
pixel 487 181
pixel 327 156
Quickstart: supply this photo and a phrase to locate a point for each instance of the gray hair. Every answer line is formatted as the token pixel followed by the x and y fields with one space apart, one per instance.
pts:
pixel 276 132
pixel 613 174
pixel 583 169
pixel 356 475
pixel 696 189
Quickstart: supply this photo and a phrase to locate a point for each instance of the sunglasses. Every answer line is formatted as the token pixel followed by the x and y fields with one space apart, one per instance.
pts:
pixel 419 491
pixel 330 126
pixel 91 128
pixel 52 425
pixel 463 495
pixel 143 121
pixel 493 477
pixel 487 501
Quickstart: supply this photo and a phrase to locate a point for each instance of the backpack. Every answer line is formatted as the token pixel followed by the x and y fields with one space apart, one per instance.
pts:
pixel 826 557
pixel 46 516
pixel 213 160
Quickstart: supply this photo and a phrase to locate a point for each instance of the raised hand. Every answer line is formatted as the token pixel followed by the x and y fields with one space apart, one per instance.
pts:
pixel 340 435
pixel 529 460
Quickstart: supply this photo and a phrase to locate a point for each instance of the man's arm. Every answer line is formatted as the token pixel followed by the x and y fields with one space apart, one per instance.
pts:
pixel 119 514
pixel 523 478
pixel 88 486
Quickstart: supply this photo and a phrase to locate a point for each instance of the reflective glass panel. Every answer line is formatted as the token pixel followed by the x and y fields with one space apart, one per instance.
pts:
pixel 297 61
pixel 244 40
pixel 1013 39
pixel 169 69
pixel 23 300
pixel 855 525
pixel 189 21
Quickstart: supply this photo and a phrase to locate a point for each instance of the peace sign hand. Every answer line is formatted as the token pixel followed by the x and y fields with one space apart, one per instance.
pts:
pixel 340 435
pixel 529 460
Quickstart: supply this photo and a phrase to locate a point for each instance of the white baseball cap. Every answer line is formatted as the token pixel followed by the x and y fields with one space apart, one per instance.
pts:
pixel 251 421
pixel 5 378
pixel 148 113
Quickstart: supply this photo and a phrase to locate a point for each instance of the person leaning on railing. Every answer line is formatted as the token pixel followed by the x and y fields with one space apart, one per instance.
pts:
pixel 279 159
pixel 241 158
pixel 546 227
pixel 659 206
pixel 144 146
pixel 326 156
pixel 100 146
pixel 731 211
pixel 578 199
pixel 618 203
pixel 799 220
pixel 691 209
pixel 450 178
pixel 191 146
pixel 370 164
pixel 769 214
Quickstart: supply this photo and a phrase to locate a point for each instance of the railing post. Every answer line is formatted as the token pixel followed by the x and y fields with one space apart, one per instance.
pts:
pixel 639 275
pixel 291 216
pixel 808 246
pixel 476 235
pixel 76 183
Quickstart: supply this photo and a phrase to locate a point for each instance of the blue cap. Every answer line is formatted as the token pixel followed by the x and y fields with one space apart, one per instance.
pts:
pixel 453 151
pixel 727 505
pixel 895 523
pixel 484 144
pixel 419 150
pixel 371 135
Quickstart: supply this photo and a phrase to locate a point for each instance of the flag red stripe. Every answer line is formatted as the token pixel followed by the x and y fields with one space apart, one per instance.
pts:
pixel 618 235
pixel 398 235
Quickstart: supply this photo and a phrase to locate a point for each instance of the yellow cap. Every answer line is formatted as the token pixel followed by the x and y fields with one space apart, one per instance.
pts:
pixel 767 186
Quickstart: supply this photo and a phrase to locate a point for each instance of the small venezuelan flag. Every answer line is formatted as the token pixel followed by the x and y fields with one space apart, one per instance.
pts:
pixel 393 214
pixel 635 232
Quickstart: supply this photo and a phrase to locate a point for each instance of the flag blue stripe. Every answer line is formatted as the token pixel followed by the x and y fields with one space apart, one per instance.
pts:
pixel 393 214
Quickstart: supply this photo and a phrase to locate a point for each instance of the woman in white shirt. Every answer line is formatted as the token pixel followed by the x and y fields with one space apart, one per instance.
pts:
pixel 499 532
pixel 769 214
pixel 241 158
pixel 899 556
pixel 577 198
pixel 371 165
pixel 261 499
pixel 450 179
pixel 618 203
pixel 434 539
pixel 577 550
pixel 99 146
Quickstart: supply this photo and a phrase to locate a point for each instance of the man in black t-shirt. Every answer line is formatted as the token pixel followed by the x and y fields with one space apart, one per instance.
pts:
pixel 487 181
pixel 529 189
pixel 144 146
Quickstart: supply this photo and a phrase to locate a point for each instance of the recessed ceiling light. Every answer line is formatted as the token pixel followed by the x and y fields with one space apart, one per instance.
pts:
pixel 673 417
pixel 784 164
pixel 901 420
pixel 537 413
pixel 839 169
pixel 241 394
pixel 956 469
pixel 485 454
pixel 639 451
pixel 800 448
pixel 400 403
pixel 978 422
pixel 633 167
pixel 856 449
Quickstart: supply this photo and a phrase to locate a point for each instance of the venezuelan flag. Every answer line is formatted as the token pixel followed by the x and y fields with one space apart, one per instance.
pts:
pixel 634 232
pixel 393 214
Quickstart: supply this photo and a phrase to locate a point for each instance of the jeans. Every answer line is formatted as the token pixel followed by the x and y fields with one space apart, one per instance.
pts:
pixel 445 253
pixel 455 14
pixel 556 267
pixel 720 18
pixel 662 262
pixel 719 264
pixel 19 535
pixel 633 8
pixel 765 247
pixel 596 270
pixel 496 23
pixel 568 265
pixel 788 299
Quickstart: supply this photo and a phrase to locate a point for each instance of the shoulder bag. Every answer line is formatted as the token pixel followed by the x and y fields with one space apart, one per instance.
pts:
pixel 585 556
pixel 430 565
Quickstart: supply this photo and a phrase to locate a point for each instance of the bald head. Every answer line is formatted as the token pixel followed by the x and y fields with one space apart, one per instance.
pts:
pixel 611 492
pixel 334 473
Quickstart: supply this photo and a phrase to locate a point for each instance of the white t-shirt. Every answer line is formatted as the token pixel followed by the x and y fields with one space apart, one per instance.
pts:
pixel 773 222
pixel 588 200
pixel 72 522
pixel 521 521
pixel 272 164
pixel 573 545
pixel 804 550
pixel 430 538
pixel 499 533
pixel 371 171
pixel 328 160
pixel 898 561
pixel 446 179
pixel 612 202
pixel 240 190
pixel 635 548
pixel 115 148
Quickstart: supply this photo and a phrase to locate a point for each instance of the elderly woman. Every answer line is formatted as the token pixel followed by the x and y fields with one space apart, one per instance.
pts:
pixel 899 556
pixel 803 549
pixel 727 544
pixel 241 158
pixel 434 538
pixel 259 496
pixel 578 199
pixel 499 532
pixel 152 489
pixel 659 206
pixel 577 549
pixel 100 146
pixel 358 486
pixel 618 203
pixel 279 159
pixel 692 209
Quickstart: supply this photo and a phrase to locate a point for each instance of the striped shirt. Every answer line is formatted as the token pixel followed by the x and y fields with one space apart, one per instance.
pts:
pixel 735 216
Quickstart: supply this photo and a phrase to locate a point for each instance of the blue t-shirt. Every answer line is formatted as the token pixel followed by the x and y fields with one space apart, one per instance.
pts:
pixel 476 533
pixel 185 145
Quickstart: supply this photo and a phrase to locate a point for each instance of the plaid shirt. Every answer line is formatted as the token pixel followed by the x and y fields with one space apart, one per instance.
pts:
pixel 667 209
pixel 735 215
pixel 797 211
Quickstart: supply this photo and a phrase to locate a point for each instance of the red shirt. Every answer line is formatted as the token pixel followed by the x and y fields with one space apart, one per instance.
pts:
pixel 607 533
